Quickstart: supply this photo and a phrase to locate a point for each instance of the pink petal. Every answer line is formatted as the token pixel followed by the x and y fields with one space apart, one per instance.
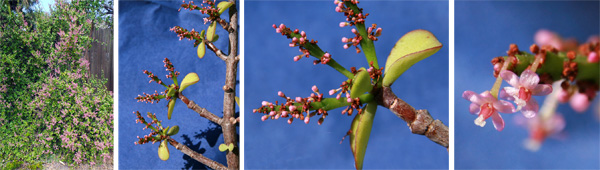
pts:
pixel 510 77
pixel 531 108
pixel 474 108
pixel 504 106
pixel 498 122
pixel 474 97
pixel 508 93
pixel 556 123
pixel 542 90
pixel 468 94
pixel 529 79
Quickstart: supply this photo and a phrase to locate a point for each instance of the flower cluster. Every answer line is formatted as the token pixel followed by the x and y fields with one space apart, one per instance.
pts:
pixel 300 40
pixel 552 59
pixel 152 137
pixel 293 108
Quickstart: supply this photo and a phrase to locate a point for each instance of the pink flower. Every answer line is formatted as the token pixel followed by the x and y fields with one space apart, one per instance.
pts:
pixel 540 128
pixel 522 89
pixel 486 106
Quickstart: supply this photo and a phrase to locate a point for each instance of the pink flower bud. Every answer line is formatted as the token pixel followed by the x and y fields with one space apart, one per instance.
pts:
pixel 292 108
pixel 563 96
pixel 320 121
pixel 280 94
pixel 342 24
pixel 314 87
pixel 278 30
pixel 344 40
pixel 338 9
pixel 378 32
pixel 303 34
pixel 284 113
pixel 306 119
pixel 290 120
pixel 276 117
pixel 272 113
pixel 281 26
pixel 274 26
pixel 298 99
pixel 265 103
pixel 292 44
pixel 353 30
pixel 370 69
pixel 349 100
pixel 326 55
pixel 346 46
pixel 264 117
pixel 332 91
pixel 593 57
pixel 296 58
pixel 579 102
pixel 294 39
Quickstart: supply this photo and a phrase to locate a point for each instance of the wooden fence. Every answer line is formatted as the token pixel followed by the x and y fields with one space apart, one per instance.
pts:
pixel 100 55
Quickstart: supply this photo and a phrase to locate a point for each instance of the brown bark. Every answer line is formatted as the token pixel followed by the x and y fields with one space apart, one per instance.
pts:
pixel 419 121
pixel 199 157
pixel 200 110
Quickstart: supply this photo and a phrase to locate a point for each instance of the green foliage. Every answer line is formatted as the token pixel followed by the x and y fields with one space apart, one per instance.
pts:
pixel 48 103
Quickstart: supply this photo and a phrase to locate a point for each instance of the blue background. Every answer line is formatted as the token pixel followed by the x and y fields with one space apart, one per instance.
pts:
pixel 269 68
pixel 144 41
pixel 484 30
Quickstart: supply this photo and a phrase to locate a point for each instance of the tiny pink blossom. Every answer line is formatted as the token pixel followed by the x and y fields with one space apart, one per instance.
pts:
pixel 593 57
pixel 346 46
pixel 344 40
pixel 342 24
pixel 303 34
pixel 522 89
pixel 264 117
pixel 265 103
pixel 579 102
pixel 306 119
pixel 292 108
pixel 296 58
pixel 353 30
pixel 486 106
pixel 290 120
pixel 298 99
pixel 284 113
pixel 349 100
pixel 280 94
pixel 278 30
pixel 272 113
pixel 563 96
pixel 332 91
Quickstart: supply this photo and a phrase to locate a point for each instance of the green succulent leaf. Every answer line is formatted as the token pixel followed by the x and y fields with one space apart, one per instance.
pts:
pixel 413 47
pixel 223 5
pixel 201 50
pixel 223 147
pixel 230 147
pixel 189 79
pixel 361 83
pixel 163 150
pixel 173 130
pixel 210 32
pixel 171 107
pixel 171 91
pixel 360 132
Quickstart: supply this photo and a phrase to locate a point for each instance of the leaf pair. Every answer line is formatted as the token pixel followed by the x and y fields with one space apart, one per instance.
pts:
pixel 410 49
pixel 189 79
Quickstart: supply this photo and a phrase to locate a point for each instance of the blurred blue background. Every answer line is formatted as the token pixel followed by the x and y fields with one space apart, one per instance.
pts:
pixel 269 68
pixel 484 30
pixel 144 41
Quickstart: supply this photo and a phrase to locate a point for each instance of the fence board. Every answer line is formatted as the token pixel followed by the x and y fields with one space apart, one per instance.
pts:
pixel 100 55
